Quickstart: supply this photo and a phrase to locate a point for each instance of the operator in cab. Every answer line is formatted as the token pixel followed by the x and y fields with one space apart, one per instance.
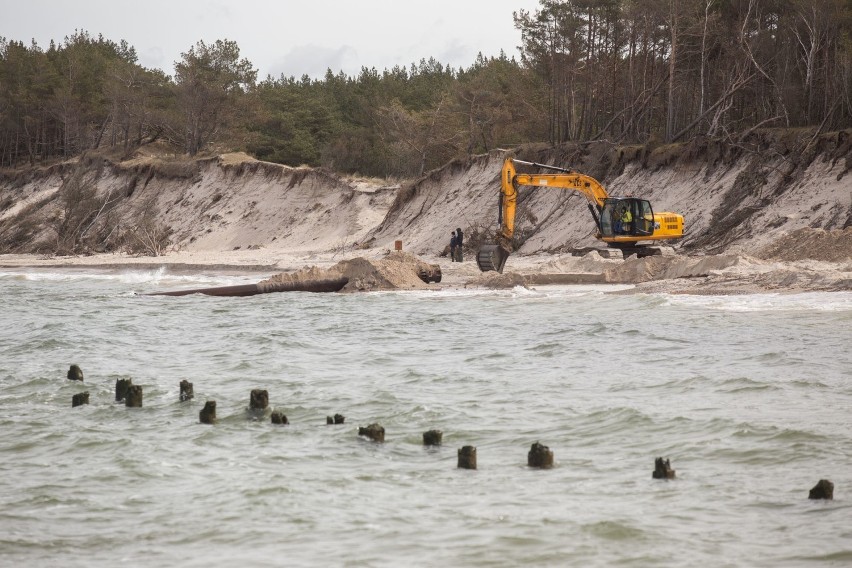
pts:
pixel 626 220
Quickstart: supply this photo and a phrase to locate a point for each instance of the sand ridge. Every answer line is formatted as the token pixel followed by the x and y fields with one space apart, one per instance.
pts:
pixel 234 213
pixel 398 270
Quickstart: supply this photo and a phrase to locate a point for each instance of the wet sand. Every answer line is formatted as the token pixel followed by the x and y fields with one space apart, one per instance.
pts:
pixel 706 274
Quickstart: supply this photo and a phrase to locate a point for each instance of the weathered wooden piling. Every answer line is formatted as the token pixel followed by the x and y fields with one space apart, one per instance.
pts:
pixel 467 457
pixel 133 398
pixel 375 432
pixel 121 386
pixel 336 419
pixel 80 399
pixel 259 399
pixel 540 456
pixel 433 438
pixel 824 489
pixel 279 418
pixel 186 392
pixel 208 413
pixel 75 373
pixel 663 469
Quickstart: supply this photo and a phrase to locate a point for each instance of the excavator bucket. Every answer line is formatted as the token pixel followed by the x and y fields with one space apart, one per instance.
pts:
pixel 491 257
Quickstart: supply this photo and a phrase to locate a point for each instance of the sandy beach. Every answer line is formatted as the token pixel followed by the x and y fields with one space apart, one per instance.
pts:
pixel 705 274
pixel 239 215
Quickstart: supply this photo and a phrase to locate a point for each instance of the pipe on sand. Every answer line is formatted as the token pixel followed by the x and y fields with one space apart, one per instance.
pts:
pixel 330 285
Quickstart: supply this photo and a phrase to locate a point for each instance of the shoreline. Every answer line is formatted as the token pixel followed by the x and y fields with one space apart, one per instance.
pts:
pixel 710 275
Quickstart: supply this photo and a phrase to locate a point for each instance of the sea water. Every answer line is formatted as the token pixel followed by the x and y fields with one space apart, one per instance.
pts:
pixel 749 397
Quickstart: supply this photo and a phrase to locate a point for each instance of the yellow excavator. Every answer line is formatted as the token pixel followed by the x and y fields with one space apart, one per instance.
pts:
pixel 622 222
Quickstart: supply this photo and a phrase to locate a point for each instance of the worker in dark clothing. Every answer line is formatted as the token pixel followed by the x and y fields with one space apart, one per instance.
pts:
pixel 453 245
pixel 459 244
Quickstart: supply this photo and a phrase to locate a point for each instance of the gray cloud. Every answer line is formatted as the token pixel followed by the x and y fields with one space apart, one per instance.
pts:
pixel 314 60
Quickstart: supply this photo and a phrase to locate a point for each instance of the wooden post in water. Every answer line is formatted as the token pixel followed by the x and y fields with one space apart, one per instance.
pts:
pixel 433 438
pixel 258 404
pixel 663 469
pixel 279 418
pixel 336 419
pixel 79 399
pixel 75 373
pixel 824 489
pixel 208 413
pixel 467 457
pixel 121 386
pixel 540 456
pixel 375 432
pixel 133 399
pixel 259 399
pixel 186 392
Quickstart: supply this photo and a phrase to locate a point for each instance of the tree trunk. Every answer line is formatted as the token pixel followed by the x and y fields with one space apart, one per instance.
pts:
pixel 670 114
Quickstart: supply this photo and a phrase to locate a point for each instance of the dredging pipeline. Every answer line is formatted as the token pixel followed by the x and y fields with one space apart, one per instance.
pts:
pixel 330 285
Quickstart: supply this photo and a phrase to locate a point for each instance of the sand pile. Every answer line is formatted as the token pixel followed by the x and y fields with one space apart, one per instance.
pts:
pixel 397 271
pixel 769 278
pixel 591 262
pixel 496 281
pixel 649 268
pixel 814 244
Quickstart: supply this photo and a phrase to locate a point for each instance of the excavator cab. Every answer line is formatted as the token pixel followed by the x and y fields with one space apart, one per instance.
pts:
pixel 626 217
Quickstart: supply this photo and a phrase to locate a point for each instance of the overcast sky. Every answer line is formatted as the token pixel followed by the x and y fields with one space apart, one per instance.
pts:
pixel 289 37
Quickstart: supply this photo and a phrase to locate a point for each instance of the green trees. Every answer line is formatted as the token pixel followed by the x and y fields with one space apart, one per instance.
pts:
pixel 628 71
pixel 209 82
pixel 292 121
pixel 63 101
pixel 634 70
pixel 500 104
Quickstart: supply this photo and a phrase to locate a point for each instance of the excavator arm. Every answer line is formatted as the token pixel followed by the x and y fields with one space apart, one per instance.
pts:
pixel 567 179
pixel 493 257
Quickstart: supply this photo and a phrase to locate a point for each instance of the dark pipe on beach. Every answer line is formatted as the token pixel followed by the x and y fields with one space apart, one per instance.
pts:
pixel 467 457
pixel 375 432
pixel 133 398
pixel 431 273
pixel 121 386
pixel 331 285
pixel 432 438
pixel 75 373
pixel 540 456
pixel 208 413
pixel 186 392
pixel 824 489
pixel 663 469
pixel 79 399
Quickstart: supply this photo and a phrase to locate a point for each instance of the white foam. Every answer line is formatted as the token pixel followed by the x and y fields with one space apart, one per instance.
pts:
pixel 536 292
pixel 157 276
pixel 806 301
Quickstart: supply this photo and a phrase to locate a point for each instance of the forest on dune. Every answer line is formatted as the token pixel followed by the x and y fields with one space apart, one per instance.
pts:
pixel 623 71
